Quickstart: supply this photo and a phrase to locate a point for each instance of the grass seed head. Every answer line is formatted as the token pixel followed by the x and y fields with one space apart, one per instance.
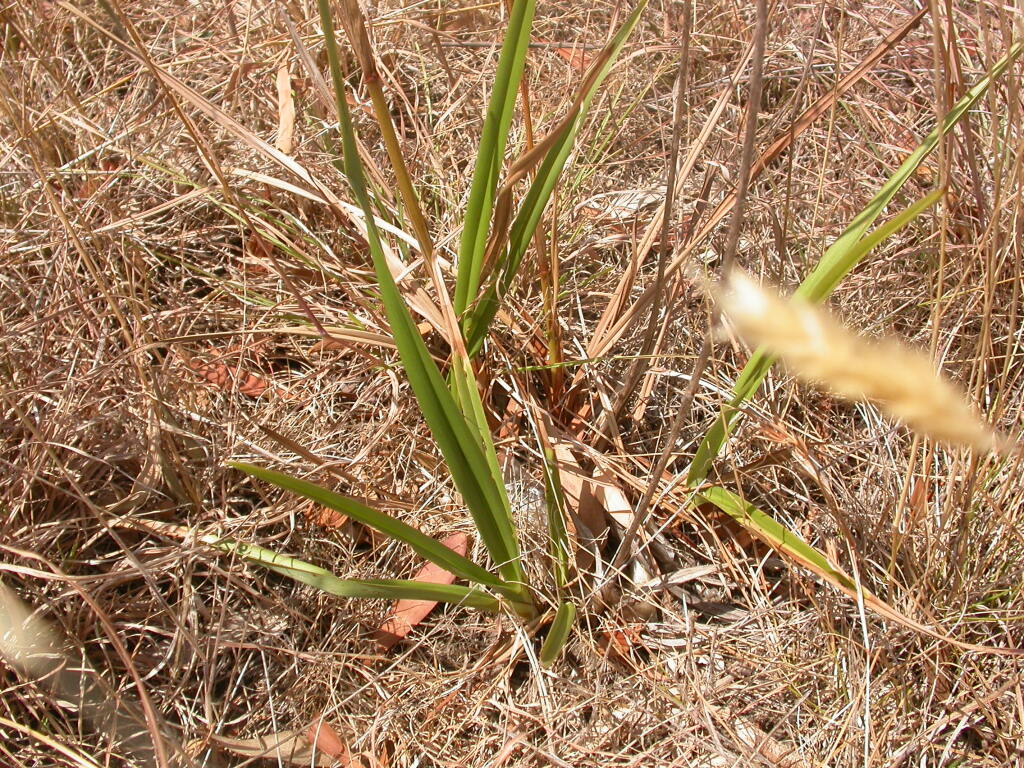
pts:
pixel 902 381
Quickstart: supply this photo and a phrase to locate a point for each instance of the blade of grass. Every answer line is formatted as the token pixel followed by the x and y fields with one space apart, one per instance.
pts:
pixel 554 150
pixel 467 396
pixel 837 261
pixel 491 153
pixel 753 373
pixel 459 440
pixel 776 535
pixel 324 580
pixel 785 541
pixel 355 27
pixel 558 634
pixel 424 545
pixel 558 537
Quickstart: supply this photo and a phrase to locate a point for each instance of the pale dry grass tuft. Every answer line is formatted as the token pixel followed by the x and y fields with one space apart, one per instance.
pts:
pixel 902 381
pixel 30 645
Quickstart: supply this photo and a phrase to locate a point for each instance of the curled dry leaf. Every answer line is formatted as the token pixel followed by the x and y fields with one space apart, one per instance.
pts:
pixel 229 377
pixel 902 381
pixel 586 526
pixel 325 739
pixel 576 57
pixel 291 747
pixel 408 613
pixel 325 517
pixel 285 111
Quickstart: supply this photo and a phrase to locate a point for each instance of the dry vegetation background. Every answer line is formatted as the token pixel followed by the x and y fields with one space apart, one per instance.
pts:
pixel 145 338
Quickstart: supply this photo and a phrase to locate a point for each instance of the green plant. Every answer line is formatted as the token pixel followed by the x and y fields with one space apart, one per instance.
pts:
pixel 848 250
pixel 491 251
pixel 852 246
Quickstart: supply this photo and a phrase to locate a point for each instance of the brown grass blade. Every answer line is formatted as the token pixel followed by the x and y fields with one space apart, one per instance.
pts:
pixel 285 111
pixel 291 747
pixel 608 332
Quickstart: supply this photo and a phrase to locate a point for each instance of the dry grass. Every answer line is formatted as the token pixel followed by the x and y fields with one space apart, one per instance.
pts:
pixel 125 267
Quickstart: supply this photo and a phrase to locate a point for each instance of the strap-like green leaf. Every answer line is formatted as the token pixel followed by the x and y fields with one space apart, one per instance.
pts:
pixel 774 534
pixel 324 580
pixel 468 399
pixel 558 634
pixel 558 536
pixel 538 195
pixel 424 545
pixel 491 153
pixel 757 367
pixel 792 546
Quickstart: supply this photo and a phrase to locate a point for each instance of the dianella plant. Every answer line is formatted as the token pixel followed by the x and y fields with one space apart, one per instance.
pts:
pixel 499 221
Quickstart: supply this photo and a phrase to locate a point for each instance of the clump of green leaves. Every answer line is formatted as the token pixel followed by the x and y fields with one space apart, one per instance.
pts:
pixel 495 237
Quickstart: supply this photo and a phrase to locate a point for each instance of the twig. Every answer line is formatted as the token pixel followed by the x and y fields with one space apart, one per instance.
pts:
pixel 643 509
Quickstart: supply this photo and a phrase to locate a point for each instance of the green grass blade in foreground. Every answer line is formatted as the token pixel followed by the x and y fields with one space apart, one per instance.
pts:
pixel 558 634
pixel 539 193
pixel 324 580
pixel 774 534
pixel 459 442
pixel 491 153
pixel 467 397
pixel 558 536
pixel 788 543
pixel 424 545
pixel 757 367
pixel 837 261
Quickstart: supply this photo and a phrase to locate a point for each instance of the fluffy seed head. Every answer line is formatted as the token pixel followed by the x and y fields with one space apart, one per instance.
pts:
pixel 815 347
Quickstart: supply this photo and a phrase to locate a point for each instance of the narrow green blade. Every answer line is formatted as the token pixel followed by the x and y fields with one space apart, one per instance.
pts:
pixel 324 580
pixel 789 544
pixel 538 195
pixel 558 536
pixel 468 399
pixel 773 533
pixel 759 364
pixel 491 153
pixel 424 545
pixel 554 643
